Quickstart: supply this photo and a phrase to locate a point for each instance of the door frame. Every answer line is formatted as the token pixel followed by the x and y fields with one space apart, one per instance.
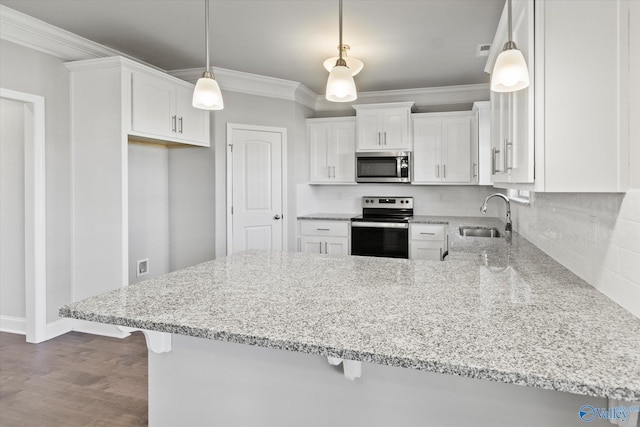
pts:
pixel 285 214
pixel 35 219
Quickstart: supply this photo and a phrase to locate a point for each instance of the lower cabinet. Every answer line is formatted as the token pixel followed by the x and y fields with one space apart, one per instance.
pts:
pixel 325 237
pixel 427 241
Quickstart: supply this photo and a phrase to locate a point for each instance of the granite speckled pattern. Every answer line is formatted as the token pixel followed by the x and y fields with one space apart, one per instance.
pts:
pixel 327 217
pixel 492 311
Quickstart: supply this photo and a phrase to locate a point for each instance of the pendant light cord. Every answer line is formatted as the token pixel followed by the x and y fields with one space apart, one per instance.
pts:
pixel 206 31
pixel 510 28
pixel 340 28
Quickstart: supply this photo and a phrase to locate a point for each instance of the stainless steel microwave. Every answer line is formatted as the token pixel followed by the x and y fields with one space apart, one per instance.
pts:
pixel 383 166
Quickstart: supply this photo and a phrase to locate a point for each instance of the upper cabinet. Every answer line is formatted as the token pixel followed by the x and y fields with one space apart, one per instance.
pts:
pixel 442 146
pixel 161 109
pixel 383 127
pixel 512 113
pixel 332 148
pixel 481 143
pixel 568 131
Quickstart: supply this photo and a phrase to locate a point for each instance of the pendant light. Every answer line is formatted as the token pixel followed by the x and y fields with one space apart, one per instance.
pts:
pixel 206 94
pixel 340 86
pixel 510 71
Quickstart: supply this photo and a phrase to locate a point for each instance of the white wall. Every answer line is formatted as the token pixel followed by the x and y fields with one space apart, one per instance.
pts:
pixel 148 209
pixel 26 70
pixel 12 222
pixel 428 200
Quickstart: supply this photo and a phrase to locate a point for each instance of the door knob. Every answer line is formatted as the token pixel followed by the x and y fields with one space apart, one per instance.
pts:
pixel 277 217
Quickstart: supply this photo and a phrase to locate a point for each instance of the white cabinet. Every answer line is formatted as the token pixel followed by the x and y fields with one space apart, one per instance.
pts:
pixel 383 127
pixel 481 143
pixel 332 147
pixel 569 130
pixel 161 109
pixel 512 112
pixel 325 237
pixel 442 148
pixel 101 119
pixel 427 241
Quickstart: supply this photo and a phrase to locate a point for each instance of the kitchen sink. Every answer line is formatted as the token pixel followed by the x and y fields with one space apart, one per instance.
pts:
pixel 475 231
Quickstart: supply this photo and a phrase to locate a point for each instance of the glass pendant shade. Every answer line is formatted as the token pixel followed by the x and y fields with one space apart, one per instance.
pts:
pixel 510 72
pixel 207 95
pixel 340 86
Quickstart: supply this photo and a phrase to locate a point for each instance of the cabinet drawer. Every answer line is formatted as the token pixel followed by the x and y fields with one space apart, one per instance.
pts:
pixel 427 232
pixel 325 228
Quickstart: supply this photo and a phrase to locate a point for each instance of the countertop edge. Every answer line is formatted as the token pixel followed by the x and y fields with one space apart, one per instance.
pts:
pixel 624 394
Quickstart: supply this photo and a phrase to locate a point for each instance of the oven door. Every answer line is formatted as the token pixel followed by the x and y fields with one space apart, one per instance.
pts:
pixel 380 239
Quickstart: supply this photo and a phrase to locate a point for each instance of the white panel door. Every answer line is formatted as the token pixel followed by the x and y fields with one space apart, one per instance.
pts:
pixel 343 151
pixel 256 190
pixel 395 124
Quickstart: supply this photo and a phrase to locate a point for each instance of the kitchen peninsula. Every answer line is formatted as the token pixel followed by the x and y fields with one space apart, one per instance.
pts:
pixel 492 318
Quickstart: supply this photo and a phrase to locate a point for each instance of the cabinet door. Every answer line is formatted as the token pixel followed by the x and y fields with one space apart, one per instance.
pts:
pixel 369 130
pixel 193 123
pixel 456 149
pixel 342 152
pixel 519 150
pixel 426 250
pixel 319 136
pixel 312 244
pixel 395 129
pixel 427 135
pixel 336 246
pixel 153 106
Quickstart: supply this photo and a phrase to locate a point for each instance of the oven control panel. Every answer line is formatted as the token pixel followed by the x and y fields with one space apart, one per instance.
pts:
pixel 387 202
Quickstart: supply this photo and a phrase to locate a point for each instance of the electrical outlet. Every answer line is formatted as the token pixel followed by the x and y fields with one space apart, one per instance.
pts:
pixel 142 267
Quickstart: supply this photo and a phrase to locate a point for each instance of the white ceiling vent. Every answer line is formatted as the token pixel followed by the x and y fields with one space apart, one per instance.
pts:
pixel 483 50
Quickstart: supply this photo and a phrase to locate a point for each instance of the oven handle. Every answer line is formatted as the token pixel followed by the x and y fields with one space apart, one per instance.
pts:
pixel 380 224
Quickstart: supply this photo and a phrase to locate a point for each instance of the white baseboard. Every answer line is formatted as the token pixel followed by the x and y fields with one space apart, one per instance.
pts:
pixel 13 325
pixel 98 329
pixel 58 327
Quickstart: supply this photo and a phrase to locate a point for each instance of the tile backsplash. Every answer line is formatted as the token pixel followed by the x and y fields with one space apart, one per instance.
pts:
pixel 595 235
pixel 428 200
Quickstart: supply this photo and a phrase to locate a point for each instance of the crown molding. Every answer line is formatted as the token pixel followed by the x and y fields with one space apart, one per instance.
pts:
pixel 33 33
pixel 422 97
pixel 253 84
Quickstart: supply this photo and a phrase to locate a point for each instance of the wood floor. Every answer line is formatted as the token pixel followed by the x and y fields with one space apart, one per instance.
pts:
pixel 73 380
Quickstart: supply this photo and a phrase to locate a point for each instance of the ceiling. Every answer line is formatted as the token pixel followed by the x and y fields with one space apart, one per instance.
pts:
pixel 404 44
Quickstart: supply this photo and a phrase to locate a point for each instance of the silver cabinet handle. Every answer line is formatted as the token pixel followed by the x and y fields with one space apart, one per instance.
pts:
pixel 437 171
pixel 277 217
pixel 429 234
pixel 322 229
pixel 173 123
pixel 379 143
pixel 444 171
pixel 320 247
pixel 180 123
pixel 325 247
pixel 385 138
pixel 494 162
pixel 508 157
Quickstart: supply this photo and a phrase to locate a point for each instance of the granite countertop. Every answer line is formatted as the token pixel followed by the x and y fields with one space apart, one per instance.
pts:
pixel 328 217
pixel 493 311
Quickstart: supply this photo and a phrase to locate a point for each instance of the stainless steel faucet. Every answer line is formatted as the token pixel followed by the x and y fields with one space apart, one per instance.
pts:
pixel 508 227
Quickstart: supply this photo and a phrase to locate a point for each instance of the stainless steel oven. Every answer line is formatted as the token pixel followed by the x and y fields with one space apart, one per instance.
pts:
pixel 386 166
pixel 383 228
